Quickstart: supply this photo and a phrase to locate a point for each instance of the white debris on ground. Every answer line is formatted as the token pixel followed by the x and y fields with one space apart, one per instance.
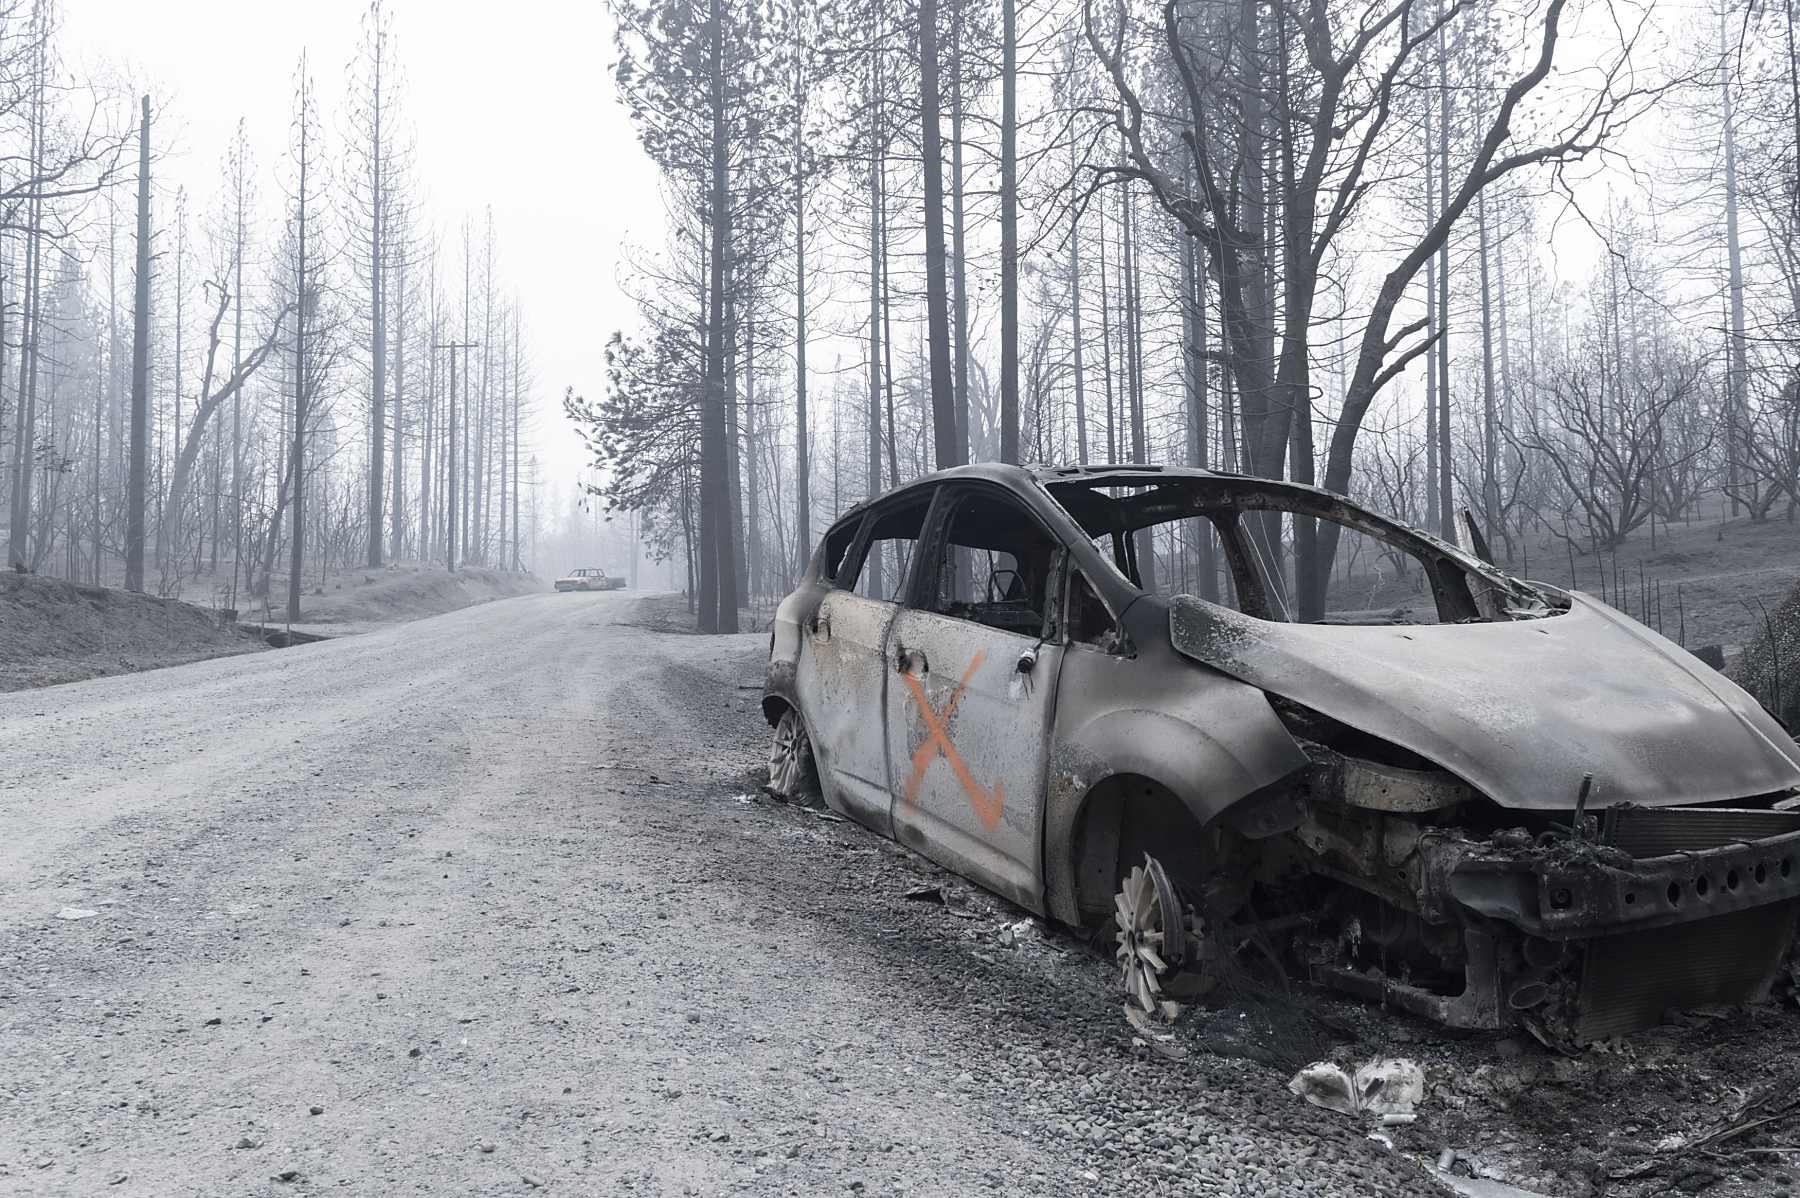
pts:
pixel 1389 1088
pixel 1016 933
pixel 1477 1187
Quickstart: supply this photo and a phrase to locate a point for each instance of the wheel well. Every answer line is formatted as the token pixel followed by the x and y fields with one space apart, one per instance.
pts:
pixel 1121 819
pixel 772 708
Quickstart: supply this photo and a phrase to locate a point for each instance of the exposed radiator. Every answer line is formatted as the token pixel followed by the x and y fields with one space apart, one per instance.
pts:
pixel 1629 981
pixel 1659 831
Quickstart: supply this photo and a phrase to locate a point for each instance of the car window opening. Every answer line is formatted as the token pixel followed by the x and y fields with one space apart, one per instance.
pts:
pixel 882 564
pixel 993 566
pixel 837 544
pixel 1088 621
pixel 1234 542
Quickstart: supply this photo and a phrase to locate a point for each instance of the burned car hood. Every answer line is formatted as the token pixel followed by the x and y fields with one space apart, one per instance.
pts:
pixel 1519 709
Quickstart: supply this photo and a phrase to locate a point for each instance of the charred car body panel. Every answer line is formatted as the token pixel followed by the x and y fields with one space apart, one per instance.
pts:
pixel 1521 710
pixel 1206 738
pixel 1494 803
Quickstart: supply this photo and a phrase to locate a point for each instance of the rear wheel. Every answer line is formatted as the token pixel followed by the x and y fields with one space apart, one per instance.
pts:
pixel 793 771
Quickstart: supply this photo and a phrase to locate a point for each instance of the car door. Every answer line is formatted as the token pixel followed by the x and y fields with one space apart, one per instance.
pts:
pixel 972 676
pixel 842 673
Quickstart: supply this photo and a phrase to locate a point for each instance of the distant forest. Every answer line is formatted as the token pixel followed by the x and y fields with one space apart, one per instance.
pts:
pixel 227 396
pixel 1536 260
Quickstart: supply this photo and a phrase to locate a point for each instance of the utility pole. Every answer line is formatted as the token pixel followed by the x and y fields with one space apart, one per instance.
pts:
pixel 140 373
pixel 450 496
pixel 306 298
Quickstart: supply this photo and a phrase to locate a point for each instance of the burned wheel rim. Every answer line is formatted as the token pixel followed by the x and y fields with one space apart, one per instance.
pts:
pixel 1152 934
pixel 792 773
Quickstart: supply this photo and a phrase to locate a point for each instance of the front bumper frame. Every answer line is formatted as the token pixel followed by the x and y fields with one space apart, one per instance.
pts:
pixel 1579 891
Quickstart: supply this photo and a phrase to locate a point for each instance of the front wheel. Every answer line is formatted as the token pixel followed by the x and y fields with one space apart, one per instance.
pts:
pixel 1154 936
pixel 793 771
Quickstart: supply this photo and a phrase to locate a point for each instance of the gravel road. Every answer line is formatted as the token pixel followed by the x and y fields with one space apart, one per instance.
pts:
pixel 486 904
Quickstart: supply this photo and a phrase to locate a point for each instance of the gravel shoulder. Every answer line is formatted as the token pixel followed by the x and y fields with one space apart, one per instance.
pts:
pixel 495 893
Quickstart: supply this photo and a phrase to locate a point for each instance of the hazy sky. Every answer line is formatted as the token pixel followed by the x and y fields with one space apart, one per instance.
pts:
pixel 513 107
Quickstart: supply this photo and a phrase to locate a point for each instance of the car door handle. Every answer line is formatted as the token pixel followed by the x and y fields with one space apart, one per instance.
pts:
pixel 905 661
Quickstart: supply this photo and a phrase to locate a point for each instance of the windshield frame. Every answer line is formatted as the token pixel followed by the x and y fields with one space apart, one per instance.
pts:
pixel 1465 587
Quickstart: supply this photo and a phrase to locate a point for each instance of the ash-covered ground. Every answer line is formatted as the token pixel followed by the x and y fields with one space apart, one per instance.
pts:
pixel 491 903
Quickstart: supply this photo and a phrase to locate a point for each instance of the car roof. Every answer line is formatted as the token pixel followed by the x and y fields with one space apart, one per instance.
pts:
pixel 1025 479
pixel 1020 478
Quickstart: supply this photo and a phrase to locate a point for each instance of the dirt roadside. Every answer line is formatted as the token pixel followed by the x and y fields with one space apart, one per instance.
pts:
pixel 405 592
pixel 501 901
pixel 53 631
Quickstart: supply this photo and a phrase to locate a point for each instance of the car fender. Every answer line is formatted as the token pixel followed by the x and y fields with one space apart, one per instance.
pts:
pixel 1209 750
pixel 780 679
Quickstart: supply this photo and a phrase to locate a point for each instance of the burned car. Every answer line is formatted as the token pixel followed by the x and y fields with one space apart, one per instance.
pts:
pixel 1486 801
pixel 589 578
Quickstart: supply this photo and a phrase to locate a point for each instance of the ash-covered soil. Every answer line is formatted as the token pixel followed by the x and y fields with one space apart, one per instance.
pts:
pixel 406 591
pixel 489 903
pixel 53 631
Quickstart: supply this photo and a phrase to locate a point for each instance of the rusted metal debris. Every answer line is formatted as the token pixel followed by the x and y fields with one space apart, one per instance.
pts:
pixel 1495 804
